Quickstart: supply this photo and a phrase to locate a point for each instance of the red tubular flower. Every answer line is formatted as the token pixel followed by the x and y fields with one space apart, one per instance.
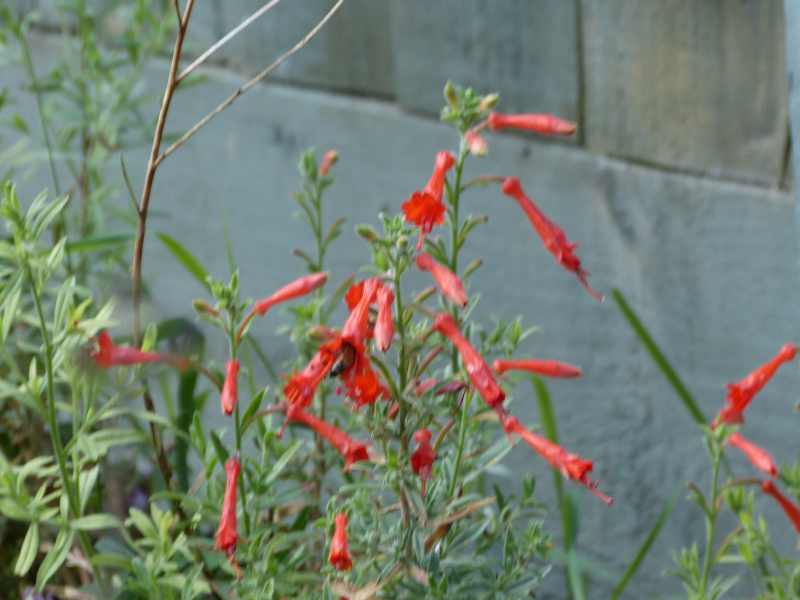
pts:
pixel 790 509
pixel 569 465
pixel 538 123
pixel 297 288
pixel 328 160
pixel 548 368
pixel 448 282
pixel 230 391
pixel 478 371
pixel 354 331
pixel 384 326
pixel 301 387
pixel 423 457
pixel 108 355
pixel 758 456
pixel 435 187
pixel 477 145
pixel 740 394
pixel 226 534
pixel 425 209
pixel 552 235
pixel 340 556
pixel 351 450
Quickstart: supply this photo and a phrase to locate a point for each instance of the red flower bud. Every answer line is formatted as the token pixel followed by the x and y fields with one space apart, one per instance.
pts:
pixel 227 537
pixel 340 556
pixel 741 394
pixel 477 145
pixel 448 282
pixel 384 326
pixel 478 371
pixel 297 288
pixel 548 368
pixel 328 160
pixel 423 457
pixel 552 235
pixel 759 457
pixel 569 465
pixel 538 123
pixel 230 389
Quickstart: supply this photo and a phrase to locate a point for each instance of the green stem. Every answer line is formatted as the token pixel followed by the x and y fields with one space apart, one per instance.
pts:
pixel 461 439
pixel 55 436
pixel 712 519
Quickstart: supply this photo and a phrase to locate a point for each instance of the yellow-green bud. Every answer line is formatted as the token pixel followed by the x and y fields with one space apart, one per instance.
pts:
pixel 450 94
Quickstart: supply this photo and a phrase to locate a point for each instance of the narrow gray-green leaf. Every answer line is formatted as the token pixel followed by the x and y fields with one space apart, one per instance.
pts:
pixel 658 357
pixel 92 522
pixel 189 262
pixel 105 240
pixel 28 552
pixel 55 558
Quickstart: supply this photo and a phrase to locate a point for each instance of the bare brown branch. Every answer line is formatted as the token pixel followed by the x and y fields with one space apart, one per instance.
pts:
pixel 232 98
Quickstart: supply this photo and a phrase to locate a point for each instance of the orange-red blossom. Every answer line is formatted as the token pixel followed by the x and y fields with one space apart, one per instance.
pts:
pixel 328 160
pixel 538 123
pixel 351 450
pixel 552 235
pixel 448 282
pixel 792 512
pixel 740 394
pixel 384 326
pixel 230 392
pixel 548 368
pixel 340 555
pixel 759 457
pixel 423 457
pixel 425 209
pixel 477 369
pixel 300 287
pixel 227 537
pixel 569 465
pixel 108 355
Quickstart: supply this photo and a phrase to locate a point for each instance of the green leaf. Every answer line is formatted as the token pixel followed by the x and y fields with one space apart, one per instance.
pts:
pixel 189 262
pixel 220 450
pixel 646 546
pixel 658 357
pixel 92 522
pixel 47 216
pixel 27 554
pixel 97 242
pixel 55 558
pixel 281 463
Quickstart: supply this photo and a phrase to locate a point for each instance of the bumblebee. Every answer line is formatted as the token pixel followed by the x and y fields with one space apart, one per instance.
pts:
pixel 344 361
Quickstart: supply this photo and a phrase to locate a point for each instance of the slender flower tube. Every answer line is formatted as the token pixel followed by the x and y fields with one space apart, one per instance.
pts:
pixel 477 145
pixel 569 465
pixel 301 387
pixel 108 355
pixel 759 457
pixel 384 326
pixel 792 512
pixel 351 450
pixel 227 537
pixel 230 392
pixel 477 369
pixel 340 556
pixel 328 160
pixel 300 287
pixel 548 368
pixel 425 209
pixel 354 331
pixel 435 187
pixel 740 394
pixel 423 457
pixel 538 123
pixel 552 235
pixel 448 282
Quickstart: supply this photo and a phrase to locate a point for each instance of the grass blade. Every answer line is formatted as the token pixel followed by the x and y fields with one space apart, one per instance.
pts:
pixel 659 358
pixel 646 546
pixel 189 262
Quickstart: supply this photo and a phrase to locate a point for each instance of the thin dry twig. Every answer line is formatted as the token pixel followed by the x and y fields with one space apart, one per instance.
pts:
pixel 232 34
pixel 232 98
